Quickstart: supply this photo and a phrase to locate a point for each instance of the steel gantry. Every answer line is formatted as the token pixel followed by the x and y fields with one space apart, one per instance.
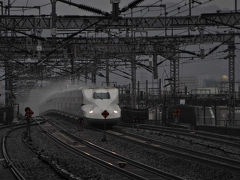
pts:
pixel 231 75
pixel 174 76
pixel 24 43
pixel 26 23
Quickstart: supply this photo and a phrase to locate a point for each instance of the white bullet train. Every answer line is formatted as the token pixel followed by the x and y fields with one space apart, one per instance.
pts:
pixel 87 104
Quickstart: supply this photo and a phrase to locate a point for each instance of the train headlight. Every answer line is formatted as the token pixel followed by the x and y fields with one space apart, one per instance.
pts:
pixel 115 111
pixel 90 112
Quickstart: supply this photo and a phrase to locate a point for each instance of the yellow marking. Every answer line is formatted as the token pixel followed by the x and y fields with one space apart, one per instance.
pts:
pixel 90 142
pixel 110 164
pixel 135 139
pixel 155 145
pixel 113 132
pixel 87 153
pixel 79 146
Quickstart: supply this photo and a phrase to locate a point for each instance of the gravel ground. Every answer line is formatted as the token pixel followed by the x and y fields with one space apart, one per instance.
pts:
pixel 72 163
pixel 189 143
pixel 183 168
pixel 26 161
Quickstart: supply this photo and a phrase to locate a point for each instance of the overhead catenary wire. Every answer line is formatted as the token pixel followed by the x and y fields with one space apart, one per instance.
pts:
pixel 187 9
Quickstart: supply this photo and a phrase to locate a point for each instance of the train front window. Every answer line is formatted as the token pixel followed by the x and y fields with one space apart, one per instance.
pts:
pixel 101 95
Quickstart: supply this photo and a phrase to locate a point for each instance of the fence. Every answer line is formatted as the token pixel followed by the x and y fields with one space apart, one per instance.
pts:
pixel 130 115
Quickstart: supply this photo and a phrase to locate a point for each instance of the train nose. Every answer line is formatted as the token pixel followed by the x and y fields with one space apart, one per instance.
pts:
pixel 100 112
pixel 110 112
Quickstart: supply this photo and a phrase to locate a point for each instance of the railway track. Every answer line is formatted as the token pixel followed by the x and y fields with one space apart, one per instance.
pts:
pixel 14 168
pixel 11 172
pixel 217 138
pixel 178 151
pixel 108 159
pixel 7 159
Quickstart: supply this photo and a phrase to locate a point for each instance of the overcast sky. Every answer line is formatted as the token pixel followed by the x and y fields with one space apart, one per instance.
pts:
pixel 106 6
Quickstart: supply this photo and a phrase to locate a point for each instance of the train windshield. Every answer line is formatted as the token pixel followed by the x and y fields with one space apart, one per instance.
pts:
pixel 101 95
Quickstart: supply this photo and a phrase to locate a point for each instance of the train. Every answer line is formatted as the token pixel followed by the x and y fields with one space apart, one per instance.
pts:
pixel 87 104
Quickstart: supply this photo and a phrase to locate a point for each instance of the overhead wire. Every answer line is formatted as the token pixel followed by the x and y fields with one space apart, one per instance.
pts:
pixel 140 10
pixel 30 9
pixel 134 12
pixel 202 3
pixel 27 3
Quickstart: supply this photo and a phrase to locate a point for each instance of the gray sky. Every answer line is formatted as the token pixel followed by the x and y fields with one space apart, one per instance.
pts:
pixel 106 6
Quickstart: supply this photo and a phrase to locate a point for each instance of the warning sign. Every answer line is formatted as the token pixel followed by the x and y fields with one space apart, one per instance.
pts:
pixel 105 114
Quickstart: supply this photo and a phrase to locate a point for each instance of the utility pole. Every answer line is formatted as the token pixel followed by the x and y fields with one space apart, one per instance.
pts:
pixel 72 70
pixel 154 66
pixel 107 72
pixel 160 90
pixel 8 82
pixel 134 79
pixel 190 14
pixel 1 7
pixel 235 5
pixel 94 71
pixel 174 75
pixel 165 17
pixel 133 67
pixel 190 7
pixel 54 21
pixel 9 7
pixel 86 76
pixel 74 55
pixel 231 90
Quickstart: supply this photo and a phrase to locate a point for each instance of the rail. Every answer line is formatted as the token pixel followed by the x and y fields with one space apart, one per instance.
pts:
pixel 133 169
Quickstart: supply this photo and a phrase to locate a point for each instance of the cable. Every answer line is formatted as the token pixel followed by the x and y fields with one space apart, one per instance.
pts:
pixel 176 4
pixel 133 12
pixel 155 4
pixel 27 3
pixel 202 3
pixel 29 9
pixel 13 2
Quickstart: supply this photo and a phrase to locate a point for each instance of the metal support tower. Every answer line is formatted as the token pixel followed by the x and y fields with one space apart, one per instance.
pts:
pixel 231 91
pixel 190 7
pixel 9 101
pixel 174 75
pixel 107 72
pixel 72 69
pixel 236 6
pixel 134 79
pixel 133 67
pixel 155 67
pixel 86 75
pixel 54 21
pixel 94 71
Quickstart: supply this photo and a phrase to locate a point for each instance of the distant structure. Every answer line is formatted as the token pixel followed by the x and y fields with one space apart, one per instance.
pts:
pixel 224 84
pixel 189 83
pixel 211 83
pixel 224 78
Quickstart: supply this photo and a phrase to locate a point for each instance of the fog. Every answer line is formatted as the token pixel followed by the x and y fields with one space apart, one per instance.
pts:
pixel 39 94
